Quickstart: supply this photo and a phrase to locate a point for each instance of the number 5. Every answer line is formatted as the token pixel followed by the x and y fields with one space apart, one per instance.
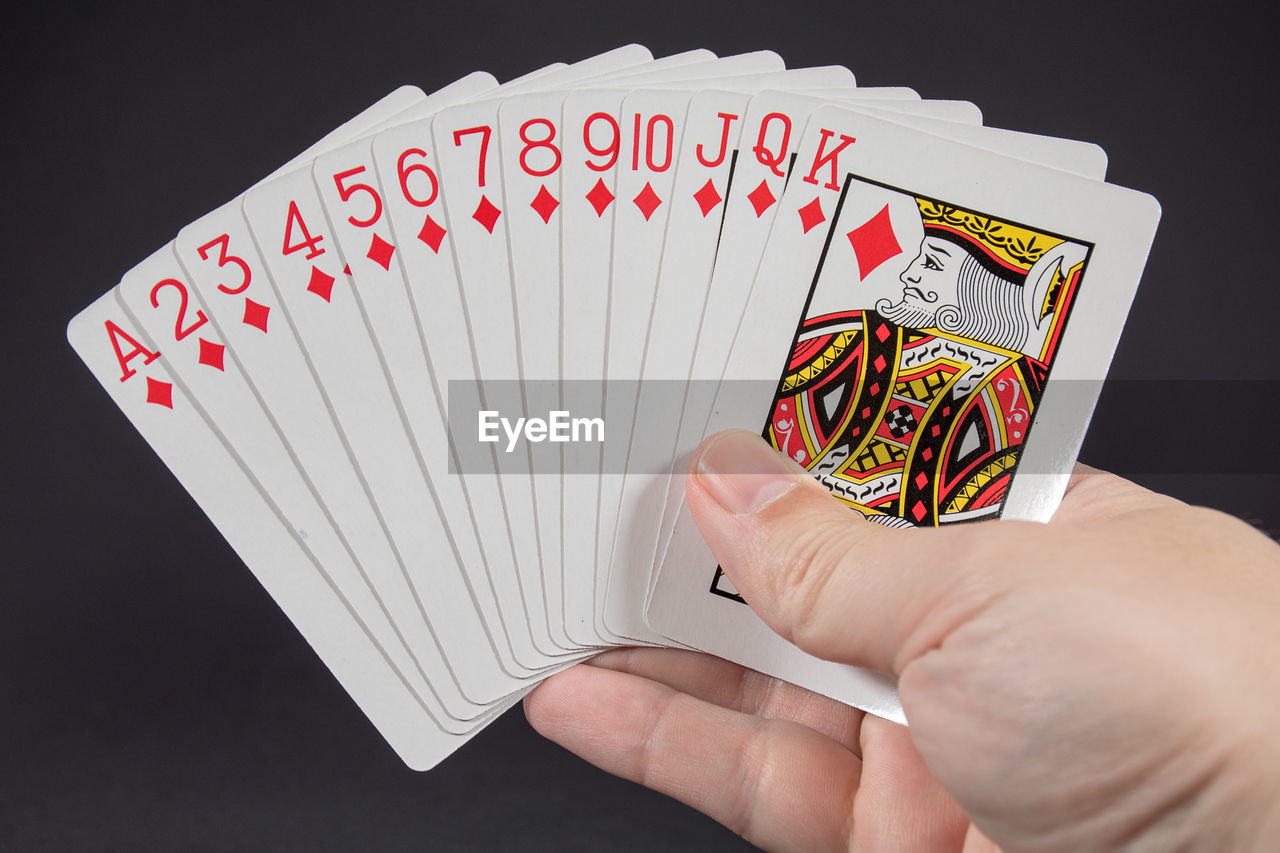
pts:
pixel 345 193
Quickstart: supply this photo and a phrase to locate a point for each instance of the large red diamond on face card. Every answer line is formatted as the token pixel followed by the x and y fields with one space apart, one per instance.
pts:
pixel 600 197
pixel 380 252
pixel 647 201
pixel 811 214
pixel 544 204
pixel 211 353
pixel 160 393
pixel 874 242
pixel 321 283
pixel 922 479
pixel 882 332
pixel 486 214
pixel 432 234
pixel 707 198
pixel 761 198
pixel 255 315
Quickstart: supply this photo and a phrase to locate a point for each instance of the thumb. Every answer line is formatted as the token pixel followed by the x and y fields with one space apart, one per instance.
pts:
pixel 836 585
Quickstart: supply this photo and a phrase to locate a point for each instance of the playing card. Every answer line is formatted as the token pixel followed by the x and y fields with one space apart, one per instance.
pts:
pixel 935 287
pixel 306 270
pixel 133 371
pixel 461 140
pixel 591 147
pixel 770 138
pixel 354 201
pixel 669 247
pixel 529 142
pixel 157 299
pixel 670 334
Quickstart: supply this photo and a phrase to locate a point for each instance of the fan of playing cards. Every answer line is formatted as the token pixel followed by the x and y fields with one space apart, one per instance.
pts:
pixel 437 379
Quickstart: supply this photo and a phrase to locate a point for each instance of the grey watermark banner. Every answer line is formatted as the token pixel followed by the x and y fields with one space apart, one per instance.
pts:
pixel 593 427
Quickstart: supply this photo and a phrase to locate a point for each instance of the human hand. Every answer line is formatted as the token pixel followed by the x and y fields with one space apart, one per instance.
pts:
pixel 1106 680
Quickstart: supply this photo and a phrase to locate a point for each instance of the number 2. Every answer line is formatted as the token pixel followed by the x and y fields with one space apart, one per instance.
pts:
pixel 178 332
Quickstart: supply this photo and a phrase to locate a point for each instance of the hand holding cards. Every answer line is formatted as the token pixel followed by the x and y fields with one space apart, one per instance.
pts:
pixel 379 371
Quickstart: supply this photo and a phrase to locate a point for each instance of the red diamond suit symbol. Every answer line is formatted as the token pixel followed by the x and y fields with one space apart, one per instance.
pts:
pixel 811 215
pixel 211 353
pixel 432 233
pixel 321 283
pixel 544 204
pixel 874 242
pixel 160 393
pixel 255 314
pixel 707 197
pixel 647 201
pixel 486 214
pixel 761 198
pixel 380 252
pixel 600 197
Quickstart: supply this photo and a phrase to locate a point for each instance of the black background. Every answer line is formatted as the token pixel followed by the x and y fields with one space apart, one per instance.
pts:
pixel 152 697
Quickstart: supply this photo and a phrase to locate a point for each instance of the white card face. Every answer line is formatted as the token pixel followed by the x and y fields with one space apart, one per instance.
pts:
pixel 408 169
pixel 646 180
pixel 471 190
pixel 592 144
pixel 159 300
pixel 463 146
pixel 353 198
pixel 592 140
pixel 134 373
pixel 653 123
pixel 306 270
pixel 705 164
pixel 771 134
pixel 529 142
pixel 702 181
pixel 867 232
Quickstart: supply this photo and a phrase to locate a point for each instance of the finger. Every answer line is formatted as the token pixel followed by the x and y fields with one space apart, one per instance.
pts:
pixel 1093 494
pixel 738 688
pixel 838 586
pixel 900 805
pixel 780 785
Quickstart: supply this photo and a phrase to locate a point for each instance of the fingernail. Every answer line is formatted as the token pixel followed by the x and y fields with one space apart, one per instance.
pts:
pixel 743 473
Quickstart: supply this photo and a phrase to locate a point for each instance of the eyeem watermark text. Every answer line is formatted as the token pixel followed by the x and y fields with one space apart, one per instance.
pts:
pixel 557 426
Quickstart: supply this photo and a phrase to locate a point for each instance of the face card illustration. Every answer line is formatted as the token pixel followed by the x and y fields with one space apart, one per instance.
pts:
pixel 773 123
pixel 704 179
pixel 909 394
pixel 939 293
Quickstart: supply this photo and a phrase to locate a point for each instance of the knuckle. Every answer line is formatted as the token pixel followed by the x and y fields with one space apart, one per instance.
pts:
pixel 806 557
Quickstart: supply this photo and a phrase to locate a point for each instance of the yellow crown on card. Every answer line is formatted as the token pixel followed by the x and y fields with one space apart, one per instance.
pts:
pixel 1013 249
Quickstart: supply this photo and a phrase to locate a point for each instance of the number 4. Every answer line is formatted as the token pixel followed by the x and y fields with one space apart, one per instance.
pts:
pixel 310 243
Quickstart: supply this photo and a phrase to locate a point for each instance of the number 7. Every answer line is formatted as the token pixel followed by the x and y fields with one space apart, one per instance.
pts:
pixel 485 132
